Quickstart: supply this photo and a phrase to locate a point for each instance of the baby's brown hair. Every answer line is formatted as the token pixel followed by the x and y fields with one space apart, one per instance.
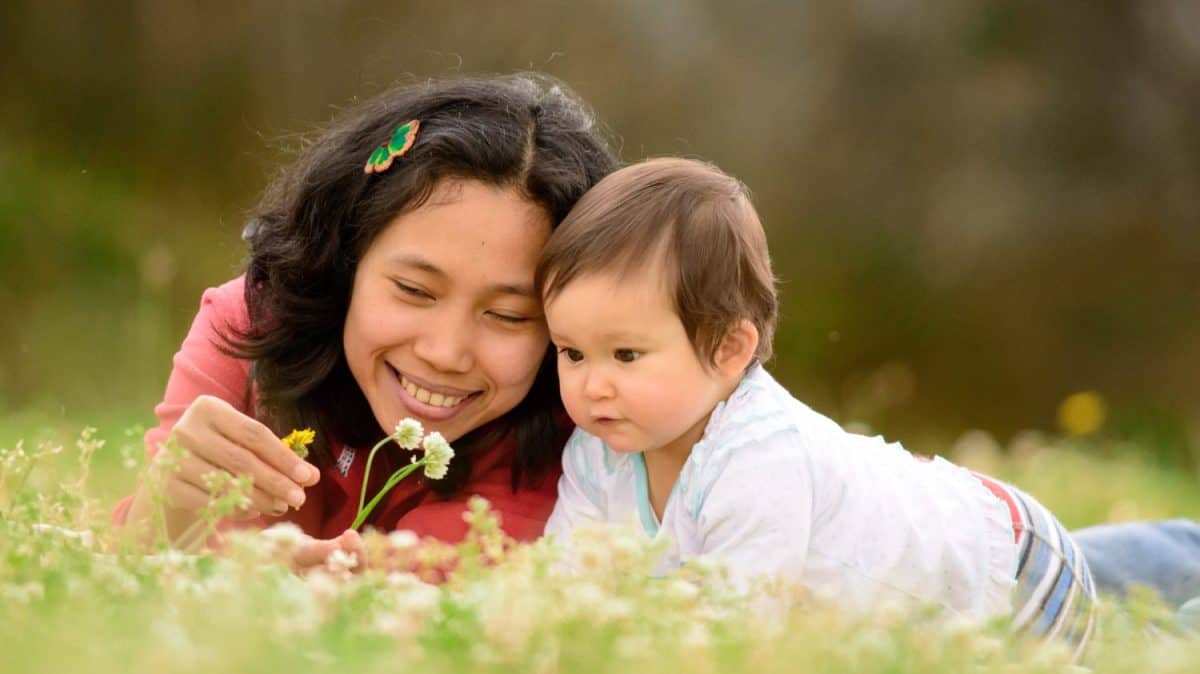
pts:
pixel 695 215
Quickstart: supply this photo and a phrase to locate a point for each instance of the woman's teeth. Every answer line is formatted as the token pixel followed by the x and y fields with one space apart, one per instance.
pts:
pixel 429 397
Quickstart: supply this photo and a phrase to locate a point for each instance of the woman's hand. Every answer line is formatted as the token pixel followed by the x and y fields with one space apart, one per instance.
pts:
pixel 314 552
pixel 219 438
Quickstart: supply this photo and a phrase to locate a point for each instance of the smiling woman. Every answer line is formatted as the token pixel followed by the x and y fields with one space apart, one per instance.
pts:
pixel 443 323
pixel 402 290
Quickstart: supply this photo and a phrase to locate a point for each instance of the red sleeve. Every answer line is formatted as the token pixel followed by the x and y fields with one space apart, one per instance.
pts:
pixel 522 513
pixel 200 367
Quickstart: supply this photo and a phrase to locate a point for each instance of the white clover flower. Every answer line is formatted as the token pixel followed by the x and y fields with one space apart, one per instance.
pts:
pixel 324 587
pixel 583 598
pixel 408 433
pixel 284 536
pixel 402 539
pixel 414 595
pixel 438 453
pixel 696 636
pixel 23 593
pixel 401 579
pixel 614 609
pixel 679 590
pixel 341 563
pixel 85 538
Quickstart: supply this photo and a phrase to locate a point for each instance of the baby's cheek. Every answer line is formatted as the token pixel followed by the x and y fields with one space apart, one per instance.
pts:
pixel 569 391
pixel 670 406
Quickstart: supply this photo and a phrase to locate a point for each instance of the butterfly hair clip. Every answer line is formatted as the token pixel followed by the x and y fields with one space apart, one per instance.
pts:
pixel 402 140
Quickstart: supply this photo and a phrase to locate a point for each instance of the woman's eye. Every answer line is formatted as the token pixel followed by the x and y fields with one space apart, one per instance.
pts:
pixel 573 355
pixel 510 318
pixel 626 355
pixel 412 290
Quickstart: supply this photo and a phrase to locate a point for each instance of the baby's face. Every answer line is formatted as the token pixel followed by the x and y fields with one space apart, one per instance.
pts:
pixel 627 371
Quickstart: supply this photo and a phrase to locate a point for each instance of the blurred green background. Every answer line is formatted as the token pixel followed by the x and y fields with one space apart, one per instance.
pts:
pixel 976 208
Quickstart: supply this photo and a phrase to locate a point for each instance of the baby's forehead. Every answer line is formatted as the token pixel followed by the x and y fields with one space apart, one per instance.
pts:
pixel 602 303
pixel 629 282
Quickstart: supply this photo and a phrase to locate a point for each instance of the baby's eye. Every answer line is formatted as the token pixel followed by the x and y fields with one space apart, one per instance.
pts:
pixel 573 355
pixel 626 355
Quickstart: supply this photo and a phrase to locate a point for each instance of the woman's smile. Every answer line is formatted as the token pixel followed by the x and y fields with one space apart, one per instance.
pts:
pixel 430 401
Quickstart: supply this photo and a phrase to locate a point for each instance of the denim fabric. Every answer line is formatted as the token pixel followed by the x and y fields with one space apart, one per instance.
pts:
pixel 1164 555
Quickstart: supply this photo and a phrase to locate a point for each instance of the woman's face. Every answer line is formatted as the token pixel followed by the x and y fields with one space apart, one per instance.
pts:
pixel 444 325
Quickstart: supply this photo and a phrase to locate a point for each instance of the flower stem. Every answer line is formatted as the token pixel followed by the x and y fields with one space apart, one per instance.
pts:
pixel 362 498
pixel 365 511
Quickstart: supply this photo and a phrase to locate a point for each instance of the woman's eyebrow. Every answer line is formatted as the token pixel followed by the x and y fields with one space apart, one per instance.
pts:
pixel 416 262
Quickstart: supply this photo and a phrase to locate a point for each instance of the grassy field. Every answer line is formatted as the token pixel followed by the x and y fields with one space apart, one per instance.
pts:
pixel 86 602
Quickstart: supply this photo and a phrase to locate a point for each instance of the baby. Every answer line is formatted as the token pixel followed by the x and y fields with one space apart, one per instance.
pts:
pixel 661 305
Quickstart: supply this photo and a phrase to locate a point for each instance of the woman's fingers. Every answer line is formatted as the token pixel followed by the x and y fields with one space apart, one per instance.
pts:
pixel 217 437
pixel 215 432
pixel 184 495
pixel 195 471
pixel 239 461
pixel 262 442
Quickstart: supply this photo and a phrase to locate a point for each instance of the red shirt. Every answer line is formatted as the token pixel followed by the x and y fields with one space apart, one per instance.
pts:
pixel 200 367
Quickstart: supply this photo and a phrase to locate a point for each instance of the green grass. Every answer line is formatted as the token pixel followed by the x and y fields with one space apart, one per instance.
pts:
pixel 67 606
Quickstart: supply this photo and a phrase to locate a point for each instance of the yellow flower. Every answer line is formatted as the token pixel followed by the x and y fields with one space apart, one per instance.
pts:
pixel 1081 413
pixel 298 441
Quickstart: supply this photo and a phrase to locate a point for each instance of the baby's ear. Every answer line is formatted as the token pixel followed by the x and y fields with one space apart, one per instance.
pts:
pixel 736 349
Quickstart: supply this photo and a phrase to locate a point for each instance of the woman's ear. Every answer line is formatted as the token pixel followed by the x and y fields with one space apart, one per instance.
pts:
pixel 736 350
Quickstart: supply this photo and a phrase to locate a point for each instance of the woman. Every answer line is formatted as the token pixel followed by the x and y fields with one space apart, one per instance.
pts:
pixel 381 290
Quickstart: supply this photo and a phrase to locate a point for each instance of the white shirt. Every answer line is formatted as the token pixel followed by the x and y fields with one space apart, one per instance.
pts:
pixel 774 488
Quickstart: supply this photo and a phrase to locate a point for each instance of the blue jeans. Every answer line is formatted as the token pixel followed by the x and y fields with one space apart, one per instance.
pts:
pixel 1164 555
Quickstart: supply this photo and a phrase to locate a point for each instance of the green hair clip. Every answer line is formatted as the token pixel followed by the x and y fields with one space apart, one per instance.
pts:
pixel 402 140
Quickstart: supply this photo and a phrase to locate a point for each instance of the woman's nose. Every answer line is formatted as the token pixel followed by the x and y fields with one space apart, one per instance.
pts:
pixel 446 341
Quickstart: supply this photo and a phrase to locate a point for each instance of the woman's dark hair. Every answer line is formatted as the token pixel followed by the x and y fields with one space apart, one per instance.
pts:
pixel 314 223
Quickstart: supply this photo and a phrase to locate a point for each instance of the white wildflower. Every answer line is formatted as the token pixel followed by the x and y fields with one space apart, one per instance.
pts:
pixel 437 455
pixel 111 575
pixel 680 591
pixel 298 610
pixel 401 579
pixel 84 537
pixel 23 593
pixel 285 535
pixel 402 539
pixel 408 433
pixel 411 594
pixel 341 563
pixel 324 587
pixel 583 598
pixel 696 636
pixel 614 609
pixel 634 646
